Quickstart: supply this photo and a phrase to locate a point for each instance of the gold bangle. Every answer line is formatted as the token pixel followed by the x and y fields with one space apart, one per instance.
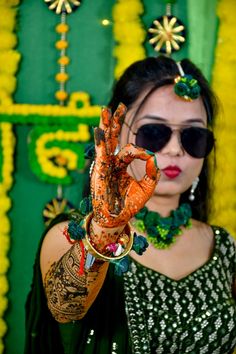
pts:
pixel 89 247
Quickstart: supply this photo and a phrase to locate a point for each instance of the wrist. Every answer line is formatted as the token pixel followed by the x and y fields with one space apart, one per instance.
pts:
pixel 102 236
pixel 111 251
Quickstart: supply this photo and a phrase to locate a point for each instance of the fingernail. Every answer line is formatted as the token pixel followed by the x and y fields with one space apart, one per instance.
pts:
pixel 150 152
pixel 155 162
pixel 105 108
pixel 122 105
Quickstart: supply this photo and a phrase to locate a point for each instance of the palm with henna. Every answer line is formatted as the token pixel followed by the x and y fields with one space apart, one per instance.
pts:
pixel 116 196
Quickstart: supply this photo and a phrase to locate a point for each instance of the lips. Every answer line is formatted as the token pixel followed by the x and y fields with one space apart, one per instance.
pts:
pixel 172 171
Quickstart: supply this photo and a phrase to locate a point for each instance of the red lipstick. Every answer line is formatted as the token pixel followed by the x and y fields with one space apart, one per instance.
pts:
pixel 172 171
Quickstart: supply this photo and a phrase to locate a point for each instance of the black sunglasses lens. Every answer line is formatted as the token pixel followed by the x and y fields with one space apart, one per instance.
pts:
pixel 153 137
pixel 197 142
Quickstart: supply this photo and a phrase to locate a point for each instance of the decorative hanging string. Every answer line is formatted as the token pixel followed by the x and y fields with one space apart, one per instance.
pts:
pixel 62 8
pixel 62 77
pixel 168 9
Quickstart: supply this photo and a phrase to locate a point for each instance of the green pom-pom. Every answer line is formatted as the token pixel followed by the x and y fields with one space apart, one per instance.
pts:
pixel 121 265
pixel 76 230
pixel 86 206
pixel 181 89
pixel 195 91
pixel 141 214
pixel 90 151
pixel 187 86
pixel 140 244
pixel 151 218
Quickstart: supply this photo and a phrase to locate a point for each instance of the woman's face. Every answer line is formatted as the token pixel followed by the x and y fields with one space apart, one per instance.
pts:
pixel 178 168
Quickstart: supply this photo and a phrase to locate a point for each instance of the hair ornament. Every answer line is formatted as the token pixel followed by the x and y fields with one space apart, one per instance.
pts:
pixel 186 86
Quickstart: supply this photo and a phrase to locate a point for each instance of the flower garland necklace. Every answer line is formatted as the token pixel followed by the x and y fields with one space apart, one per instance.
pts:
pixel 162 231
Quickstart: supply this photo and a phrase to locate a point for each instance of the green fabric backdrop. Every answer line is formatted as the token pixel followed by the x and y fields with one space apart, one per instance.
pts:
pixel 91 70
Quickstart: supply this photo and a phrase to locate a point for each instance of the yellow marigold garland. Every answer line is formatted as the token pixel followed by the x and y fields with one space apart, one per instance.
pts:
pixel 53 144
pixel 78 111
pixel 63 141
pixel 9 60
pixel 128 33
pixel 224 84
pixel 7 150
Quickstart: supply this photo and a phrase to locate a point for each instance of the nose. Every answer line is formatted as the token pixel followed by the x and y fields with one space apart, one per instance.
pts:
pixel 173 146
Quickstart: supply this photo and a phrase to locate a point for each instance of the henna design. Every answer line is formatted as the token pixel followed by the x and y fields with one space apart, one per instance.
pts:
pixel 70 295
pixel 100 241
pixel 116 195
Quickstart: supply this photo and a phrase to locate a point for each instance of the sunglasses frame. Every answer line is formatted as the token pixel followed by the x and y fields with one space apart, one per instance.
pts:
pixel 181 129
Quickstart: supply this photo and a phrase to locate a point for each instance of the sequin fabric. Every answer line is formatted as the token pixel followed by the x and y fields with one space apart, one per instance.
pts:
pixel 196 314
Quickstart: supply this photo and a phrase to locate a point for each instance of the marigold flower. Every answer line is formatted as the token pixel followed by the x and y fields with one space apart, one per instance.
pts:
pixel 62 44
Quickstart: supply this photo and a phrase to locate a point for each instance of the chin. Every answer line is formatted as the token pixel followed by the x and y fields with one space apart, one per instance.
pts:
pixel 169 188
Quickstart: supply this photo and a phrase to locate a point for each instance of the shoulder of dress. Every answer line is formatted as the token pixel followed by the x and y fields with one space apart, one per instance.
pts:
pixel 219 230
pixel 224 240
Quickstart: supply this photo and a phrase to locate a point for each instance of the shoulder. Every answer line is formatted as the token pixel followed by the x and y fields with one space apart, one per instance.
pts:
pixel 55 232
pixel 217 236
pixel 226 246
pixel 203 231
pixel 54 246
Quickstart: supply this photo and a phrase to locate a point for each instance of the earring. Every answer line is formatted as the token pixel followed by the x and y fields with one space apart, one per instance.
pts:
pixel 193 188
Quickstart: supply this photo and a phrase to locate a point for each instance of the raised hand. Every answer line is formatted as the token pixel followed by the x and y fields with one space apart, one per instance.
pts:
pixel 116 196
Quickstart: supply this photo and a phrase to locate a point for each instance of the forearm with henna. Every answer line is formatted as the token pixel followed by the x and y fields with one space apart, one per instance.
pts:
pixel 69 294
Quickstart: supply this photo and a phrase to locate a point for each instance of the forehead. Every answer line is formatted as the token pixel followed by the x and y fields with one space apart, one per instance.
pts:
pixel 164 103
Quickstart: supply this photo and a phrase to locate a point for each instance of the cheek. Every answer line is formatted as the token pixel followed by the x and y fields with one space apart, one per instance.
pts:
pixel 126 136
pixel 191 168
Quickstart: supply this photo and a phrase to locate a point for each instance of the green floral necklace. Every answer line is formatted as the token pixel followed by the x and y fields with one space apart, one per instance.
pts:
pixel 162 231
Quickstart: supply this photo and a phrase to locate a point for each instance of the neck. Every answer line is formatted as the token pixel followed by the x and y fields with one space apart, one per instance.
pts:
pixel 163 204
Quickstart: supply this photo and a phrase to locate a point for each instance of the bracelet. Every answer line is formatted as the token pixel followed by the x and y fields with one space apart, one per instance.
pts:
pixel 90 248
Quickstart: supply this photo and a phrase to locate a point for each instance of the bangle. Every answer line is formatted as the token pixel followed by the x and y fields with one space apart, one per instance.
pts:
pixel 90 248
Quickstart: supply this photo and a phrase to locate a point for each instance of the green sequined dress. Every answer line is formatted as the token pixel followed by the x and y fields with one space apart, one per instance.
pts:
pixel 146 312
pixel 194 315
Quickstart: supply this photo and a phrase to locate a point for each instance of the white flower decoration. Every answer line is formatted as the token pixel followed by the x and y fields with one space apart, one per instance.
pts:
pixel 167 34
pixel 62 5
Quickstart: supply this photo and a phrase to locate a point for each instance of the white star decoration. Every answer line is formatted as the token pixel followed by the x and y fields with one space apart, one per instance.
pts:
pixel 167 33
pixel 62 5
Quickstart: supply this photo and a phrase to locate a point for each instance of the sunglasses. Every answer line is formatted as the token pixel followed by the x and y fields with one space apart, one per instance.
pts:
pixel 196 141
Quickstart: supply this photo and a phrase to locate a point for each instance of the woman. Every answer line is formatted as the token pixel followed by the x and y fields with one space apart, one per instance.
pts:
pixel 178 296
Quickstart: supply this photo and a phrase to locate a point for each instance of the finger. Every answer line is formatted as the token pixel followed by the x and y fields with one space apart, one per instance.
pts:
pixel 116 124
pixel 106 116
pixel 105 125
pixel 130 152
pixel 100 148
pixel 150 179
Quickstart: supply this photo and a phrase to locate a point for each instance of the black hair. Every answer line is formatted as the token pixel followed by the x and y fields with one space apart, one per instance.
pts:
pixel 155 72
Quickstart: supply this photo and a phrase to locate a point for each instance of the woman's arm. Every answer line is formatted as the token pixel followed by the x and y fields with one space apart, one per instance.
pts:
pixel 116 198
pixel 68 293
